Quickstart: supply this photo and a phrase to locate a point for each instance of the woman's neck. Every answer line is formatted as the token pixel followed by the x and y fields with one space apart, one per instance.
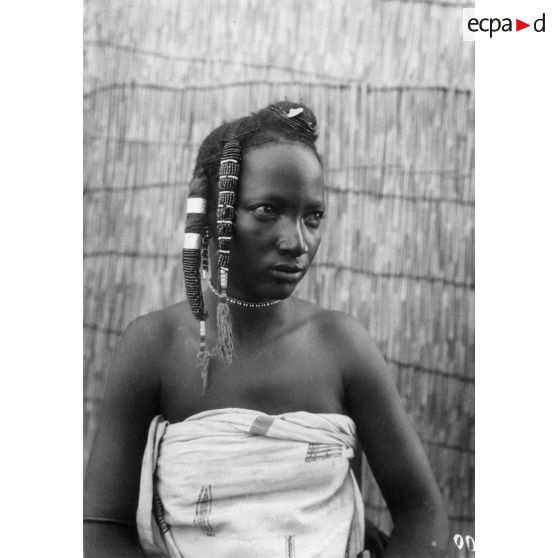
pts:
pixel 253 323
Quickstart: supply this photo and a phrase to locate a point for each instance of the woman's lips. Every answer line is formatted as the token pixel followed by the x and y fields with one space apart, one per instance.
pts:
pixel 288 272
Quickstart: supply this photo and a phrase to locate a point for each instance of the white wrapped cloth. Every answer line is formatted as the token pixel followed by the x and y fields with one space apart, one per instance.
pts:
pixel 240 483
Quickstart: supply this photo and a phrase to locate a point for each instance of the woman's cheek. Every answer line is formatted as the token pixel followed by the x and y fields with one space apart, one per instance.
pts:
pixel 315 244
pixel 245 226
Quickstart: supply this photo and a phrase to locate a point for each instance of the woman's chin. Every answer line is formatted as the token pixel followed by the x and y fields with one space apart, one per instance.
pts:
pixel 274 287
pixel 284 290
pixel 276 290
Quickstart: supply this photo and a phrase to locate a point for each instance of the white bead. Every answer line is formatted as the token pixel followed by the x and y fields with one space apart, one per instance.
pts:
pixel 196 205
pixel 192 241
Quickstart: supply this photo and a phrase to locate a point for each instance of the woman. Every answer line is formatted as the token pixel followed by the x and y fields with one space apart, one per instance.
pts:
pixel 262 393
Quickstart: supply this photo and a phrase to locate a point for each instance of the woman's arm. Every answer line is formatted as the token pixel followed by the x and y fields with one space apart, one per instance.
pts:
pixel 113 472
pixel 392 448
pixel 102 540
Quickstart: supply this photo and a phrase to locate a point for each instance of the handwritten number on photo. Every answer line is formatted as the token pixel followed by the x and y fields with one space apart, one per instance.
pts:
pixel 469 542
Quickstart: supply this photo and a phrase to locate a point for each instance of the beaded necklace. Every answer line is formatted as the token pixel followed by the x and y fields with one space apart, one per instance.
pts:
pixel 244 303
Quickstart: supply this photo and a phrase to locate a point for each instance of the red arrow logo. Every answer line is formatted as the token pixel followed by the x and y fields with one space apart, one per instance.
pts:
pixel 519 25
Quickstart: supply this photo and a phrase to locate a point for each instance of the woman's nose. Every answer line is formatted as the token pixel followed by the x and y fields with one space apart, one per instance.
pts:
pixel 292 240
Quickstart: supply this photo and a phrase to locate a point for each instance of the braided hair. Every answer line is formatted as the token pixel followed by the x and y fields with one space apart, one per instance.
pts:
pixel 215 185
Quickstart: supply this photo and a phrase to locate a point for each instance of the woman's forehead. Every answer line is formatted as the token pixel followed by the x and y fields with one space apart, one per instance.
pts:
pixel 281 167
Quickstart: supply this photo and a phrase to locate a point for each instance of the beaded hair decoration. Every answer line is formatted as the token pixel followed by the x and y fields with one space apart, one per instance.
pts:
pixel 229 173
pixel 291 123
pixel 196 237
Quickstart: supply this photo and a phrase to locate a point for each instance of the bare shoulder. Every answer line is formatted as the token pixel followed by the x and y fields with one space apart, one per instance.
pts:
pixel 154 325
pixel 333 319
pixel 347 339
pixel 156 330
pixel 145 342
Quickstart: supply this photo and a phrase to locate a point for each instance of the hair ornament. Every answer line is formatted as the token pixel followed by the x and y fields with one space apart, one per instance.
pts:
pixel 296 120
pixel 294 112
pixel 196 205
pixel 229 172
pixel 195 234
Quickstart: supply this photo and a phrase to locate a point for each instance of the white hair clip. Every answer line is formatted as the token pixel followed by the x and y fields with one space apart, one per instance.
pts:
pixel 295 112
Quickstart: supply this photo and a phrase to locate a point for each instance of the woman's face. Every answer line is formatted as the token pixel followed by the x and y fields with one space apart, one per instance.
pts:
pixel 277 229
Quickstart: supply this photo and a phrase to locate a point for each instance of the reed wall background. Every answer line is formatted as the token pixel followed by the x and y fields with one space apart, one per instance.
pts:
pixel 391 83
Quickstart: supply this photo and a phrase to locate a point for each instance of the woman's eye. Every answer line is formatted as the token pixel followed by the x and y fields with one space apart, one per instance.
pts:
pixel 314 219
pixel 264 211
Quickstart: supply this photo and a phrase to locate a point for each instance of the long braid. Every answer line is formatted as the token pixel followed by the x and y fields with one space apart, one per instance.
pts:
pixel 196 232
pixel 229 173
